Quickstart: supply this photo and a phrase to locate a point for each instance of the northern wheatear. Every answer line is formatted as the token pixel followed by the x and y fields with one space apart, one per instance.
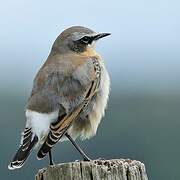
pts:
pixel 69 95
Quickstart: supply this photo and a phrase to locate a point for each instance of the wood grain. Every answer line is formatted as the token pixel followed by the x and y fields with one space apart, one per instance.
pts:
pixel 115 169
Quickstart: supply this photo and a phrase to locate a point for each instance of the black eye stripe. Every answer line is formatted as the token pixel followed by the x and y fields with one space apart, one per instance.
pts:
pixel 86 39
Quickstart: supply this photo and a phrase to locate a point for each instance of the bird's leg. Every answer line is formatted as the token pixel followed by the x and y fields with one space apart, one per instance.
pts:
pixel 50 158
pixel 85 157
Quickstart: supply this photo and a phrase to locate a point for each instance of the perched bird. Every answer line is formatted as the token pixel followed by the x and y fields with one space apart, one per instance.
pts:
pixel 69 95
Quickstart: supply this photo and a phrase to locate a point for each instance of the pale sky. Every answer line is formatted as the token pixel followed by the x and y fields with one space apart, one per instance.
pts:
pixel 143 53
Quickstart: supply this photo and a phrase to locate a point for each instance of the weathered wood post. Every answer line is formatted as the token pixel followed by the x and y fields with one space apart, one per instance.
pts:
pixel 115 169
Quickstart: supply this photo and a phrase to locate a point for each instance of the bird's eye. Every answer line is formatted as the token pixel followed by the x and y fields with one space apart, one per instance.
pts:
pixel 85 39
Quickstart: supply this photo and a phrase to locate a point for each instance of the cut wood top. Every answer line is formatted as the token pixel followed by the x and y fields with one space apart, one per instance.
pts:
pixel 114 169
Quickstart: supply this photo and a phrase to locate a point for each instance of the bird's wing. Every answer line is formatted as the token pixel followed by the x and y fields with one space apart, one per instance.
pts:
pixel 28 141
pixel 59 128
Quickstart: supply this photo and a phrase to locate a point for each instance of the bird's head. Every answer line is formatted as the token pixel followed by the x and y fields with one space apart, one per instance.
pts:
pixel 77 39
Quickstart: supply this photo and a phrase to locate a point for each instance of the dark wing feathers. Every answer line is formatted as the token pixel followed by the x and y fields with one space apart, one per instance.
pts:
pixel 58 129
pixel 27 143
pixel 26 138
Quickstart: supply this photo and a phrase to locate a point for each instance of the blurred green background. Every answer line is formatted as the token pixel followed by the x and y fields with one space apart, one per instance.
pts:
pixel 143 116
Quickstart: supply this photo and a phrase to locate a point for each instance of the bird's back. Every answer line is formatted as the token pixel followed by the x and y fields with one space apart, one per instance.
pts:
pixel 62 80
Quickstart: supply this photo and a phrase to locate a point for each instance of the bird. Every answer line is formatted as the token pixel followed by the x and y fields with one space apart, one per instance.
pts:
pixel 68 98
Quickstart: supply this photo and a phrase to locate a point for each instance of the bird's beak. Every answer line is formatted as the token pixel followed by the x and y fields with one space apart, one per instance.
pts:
pixel 100 35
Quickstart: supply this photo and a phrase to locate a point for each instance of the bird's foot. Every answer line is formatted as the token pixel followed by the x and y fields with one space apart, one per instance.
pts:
pixel 51 163
pixel 87 159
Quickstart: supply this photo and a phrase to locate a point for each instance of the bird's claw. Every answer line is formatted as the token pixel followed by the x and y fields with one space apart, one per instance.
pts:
pixel 87 159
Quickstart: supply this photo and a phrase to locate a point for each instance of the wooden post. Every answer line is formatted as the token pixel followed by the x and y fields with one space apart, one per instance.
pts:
pixel 115 169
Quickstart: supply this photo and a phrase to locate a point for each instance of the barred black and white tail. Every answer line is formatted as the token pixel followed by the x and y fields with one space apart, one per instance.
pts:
pixel 27 143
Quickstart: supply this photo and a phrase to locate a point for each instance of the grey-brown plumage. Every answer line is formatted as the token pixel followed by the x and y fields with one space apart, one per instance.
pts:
pixel 70 91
